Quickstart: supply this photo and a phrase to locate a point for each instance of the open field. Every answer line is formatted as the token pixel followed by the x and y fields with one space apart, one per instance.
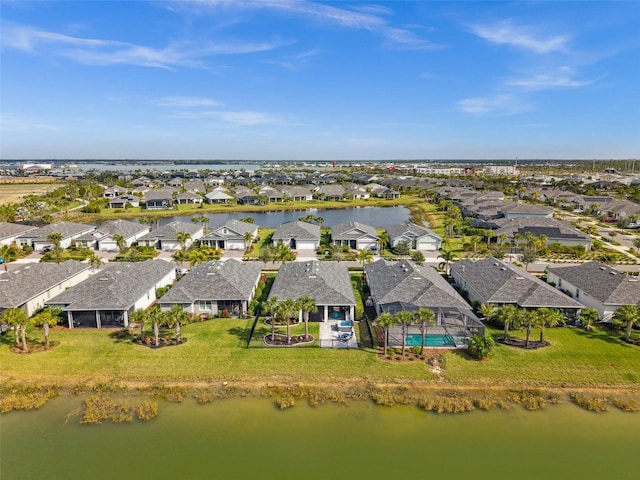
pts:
pixel 14 190
pixel 216 351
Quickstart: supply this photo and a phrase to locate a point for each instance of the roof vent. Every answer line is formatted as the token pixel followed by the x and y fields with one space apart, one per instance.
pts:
pixel 613 273
pixel 519 278
pixel 502 268
pixel 104 279
pixel 495 264
pixel 602 268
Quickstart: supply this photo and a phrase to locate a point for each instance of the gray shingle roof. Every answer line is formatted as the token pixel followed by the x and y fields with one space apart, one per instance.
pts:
pixel 552 228
pixel 168 231
pixel 8 230
pixel 328 283
pixel 66 229
pixel 118 286
pixel 352 231
pixel 126 228
pixel 605 284
pixel 236 230
pixel 409 283
pixel 298 230
pixel 498 282
pixel 22 284
pixel 410 230
pixel 526 208
pixel 215 280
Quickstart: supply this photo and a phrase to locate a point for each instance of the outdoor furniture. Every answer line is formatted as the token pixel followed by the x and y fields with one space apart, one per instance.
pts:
pixel 345 337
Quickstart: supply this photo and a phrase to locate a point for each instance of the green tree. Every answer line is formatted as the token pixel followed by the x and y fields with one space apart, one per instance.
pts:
pixel 270 307
pixel 588 316
pixel 548 317
pixel 183 238
pixel 248 238
pixel 287 310
pixel 176 317
pixel 56 238
pixel 383 240
pixel 364 256
pixel 307 305
pixel 528 255
pixel 196 257
pixel 95 261
pixel 480 347
pixel 180 256
pixel 528 320
pixel 487 310
pixel 46 318
pixel 627 316
pixel 404 319
pixel 447 257
pixel 283 253
pixel 120 242
pixel 418 257
pixel 508 316
pixel 424 317
pixel 155 317
pixel 475 240
pixel 385 321
pixel 18 319
pixel 139 317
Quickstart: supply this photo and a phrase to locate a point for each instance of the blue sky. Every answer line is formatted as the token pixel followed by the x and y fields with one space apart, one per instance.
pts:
pixel 280 79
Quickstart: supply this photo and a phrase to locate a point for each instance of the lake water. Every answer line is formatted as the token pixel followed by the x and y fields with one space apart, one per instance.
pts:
pixel 250 438
pixel 374 216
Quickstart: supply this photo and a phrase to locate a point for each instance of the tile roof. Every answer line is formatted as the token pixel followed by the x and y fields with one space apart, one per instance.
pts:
pixel 328 283
pixel 118 286
pixel 605 284
pixel 498 282
pixel 39 277
pixel 215 280
pixel 408 283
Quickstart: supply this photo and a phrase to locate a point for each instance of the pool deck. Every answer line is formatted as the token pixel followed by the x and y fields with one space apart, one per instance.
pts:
pixel 329 336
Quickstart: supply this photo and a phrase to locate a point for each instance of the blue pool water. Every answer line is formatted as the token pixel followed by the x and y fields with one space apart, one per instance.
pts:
pixel 434 340
pixel 345 323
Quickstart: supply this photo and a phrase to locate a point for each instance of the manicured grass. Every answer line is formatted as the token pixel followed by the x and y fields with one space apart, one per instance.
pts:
pixel 575 358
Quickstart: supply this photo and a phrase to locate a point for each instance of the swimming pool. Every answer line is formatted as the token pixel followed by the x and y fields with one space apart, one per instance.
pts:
pixel 433 340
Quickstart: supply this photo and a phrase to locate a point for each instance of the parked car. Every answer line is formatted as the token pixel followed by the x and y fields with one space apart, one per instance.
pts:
pixel 633 225
pixel 46 249
pixel 609 220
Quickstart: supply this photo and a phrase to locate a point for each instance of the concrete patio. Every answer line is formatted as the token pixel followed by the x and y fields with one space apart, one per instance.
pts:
pixel 329 334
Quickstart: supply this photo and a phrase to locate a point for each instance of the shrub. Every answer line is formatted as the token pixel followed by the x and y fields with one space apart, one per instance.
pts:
pixel 481 347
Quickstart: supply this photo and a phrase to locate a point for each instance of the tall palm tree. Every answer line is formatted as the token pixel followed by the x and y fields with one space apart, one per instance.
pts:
pixel 627 315
pixel 508 315
pixel 248 238
pixel 404 318
pixel 180 256
pixel 270 307
pixel 95 262
pixel 177 317
pixel 517 238
pixel 503 238
pixel 385 321
pixel 196 257
pixel 120 242
pixel 475 240
pixel 487 310
pixel 46 318
pixel 56 238
pixel 139 317
pixel 288 308
pixel 155 318
pixel 364 256
pixel 588 316
pixel 529 319
pixel 182 238
pixel 383 240
pixel 424 317
pixel 548 317
pixel 18 319
pixel 307 305
pixel 448 257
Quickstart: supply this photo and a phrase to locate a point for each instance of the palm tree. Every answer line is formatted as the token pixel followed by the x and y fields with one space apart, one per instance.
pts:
pixel 248 238
pixel 383 240
pixel 283 253
pixel 489 234
pixel 139 317
pixel 180 256
pixel 56 238
pixel 48 317
pixel 155 318
pixel 176 317
pixel 287 309
pixel 425 317
pixel 404 318
pixel 475 240
pixel 18 319
pixel 503 238
pixel 270 307
pixel 627 315
pixel 120 242
pixel 307 305
pixel 508 315
pixel 517 238
pixel 588 316
pixel 448 257
pixel 385 321
pixel 95 261
pixel 364 256
pixel 182 238
pixel 529 319
pixel 549 318
pixel 487 310
pixel 196 257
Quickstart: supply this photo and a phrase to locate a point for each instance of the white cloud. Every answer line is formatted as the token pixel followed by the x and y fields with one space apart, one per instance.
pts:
pixel 184 102
pixel 562 78
pixel 363 17
pixel 505 33
pixel 92 51
pixel 501 104
pixel 247 117
pixel 16 123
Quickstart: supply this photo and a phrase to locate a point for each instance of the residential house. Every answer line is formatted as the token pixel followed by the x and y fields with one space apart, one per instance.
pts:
pixel 218 196
pixel 271 194
pixel 418 238
pixel 161 199
pixel 555 230
pixel 215 289
pixel 405 286
pixel 520 210
pixel 355 236
pixel 330 192
pixel 114 191
pixel 246 196
pixel 298 235
pixel 298 194
pixel 598 286
pixel 328 283
pixel 103 237
pixel 356 192
pixel 31 285
pixel 122 200
pixel 68 230
pixel 188 198
pixel 107 298
pixel 231 235
pixel 166 236
pixel 493 282
pixel 381 191
pixel 9 232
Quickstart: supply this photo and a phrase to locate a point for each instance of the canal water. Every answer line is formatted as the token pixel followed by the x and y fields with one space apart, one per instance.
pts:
pixel 249 438
pixel 374 216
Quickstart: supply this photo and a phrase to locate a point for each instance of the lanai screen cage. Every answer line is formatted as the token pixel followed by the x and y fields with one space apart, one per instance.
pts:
pixel 453 327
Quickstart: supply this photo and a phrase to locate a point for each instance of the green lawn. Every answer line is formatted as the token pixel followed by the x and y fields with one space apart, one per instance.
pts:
pixel 217 349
